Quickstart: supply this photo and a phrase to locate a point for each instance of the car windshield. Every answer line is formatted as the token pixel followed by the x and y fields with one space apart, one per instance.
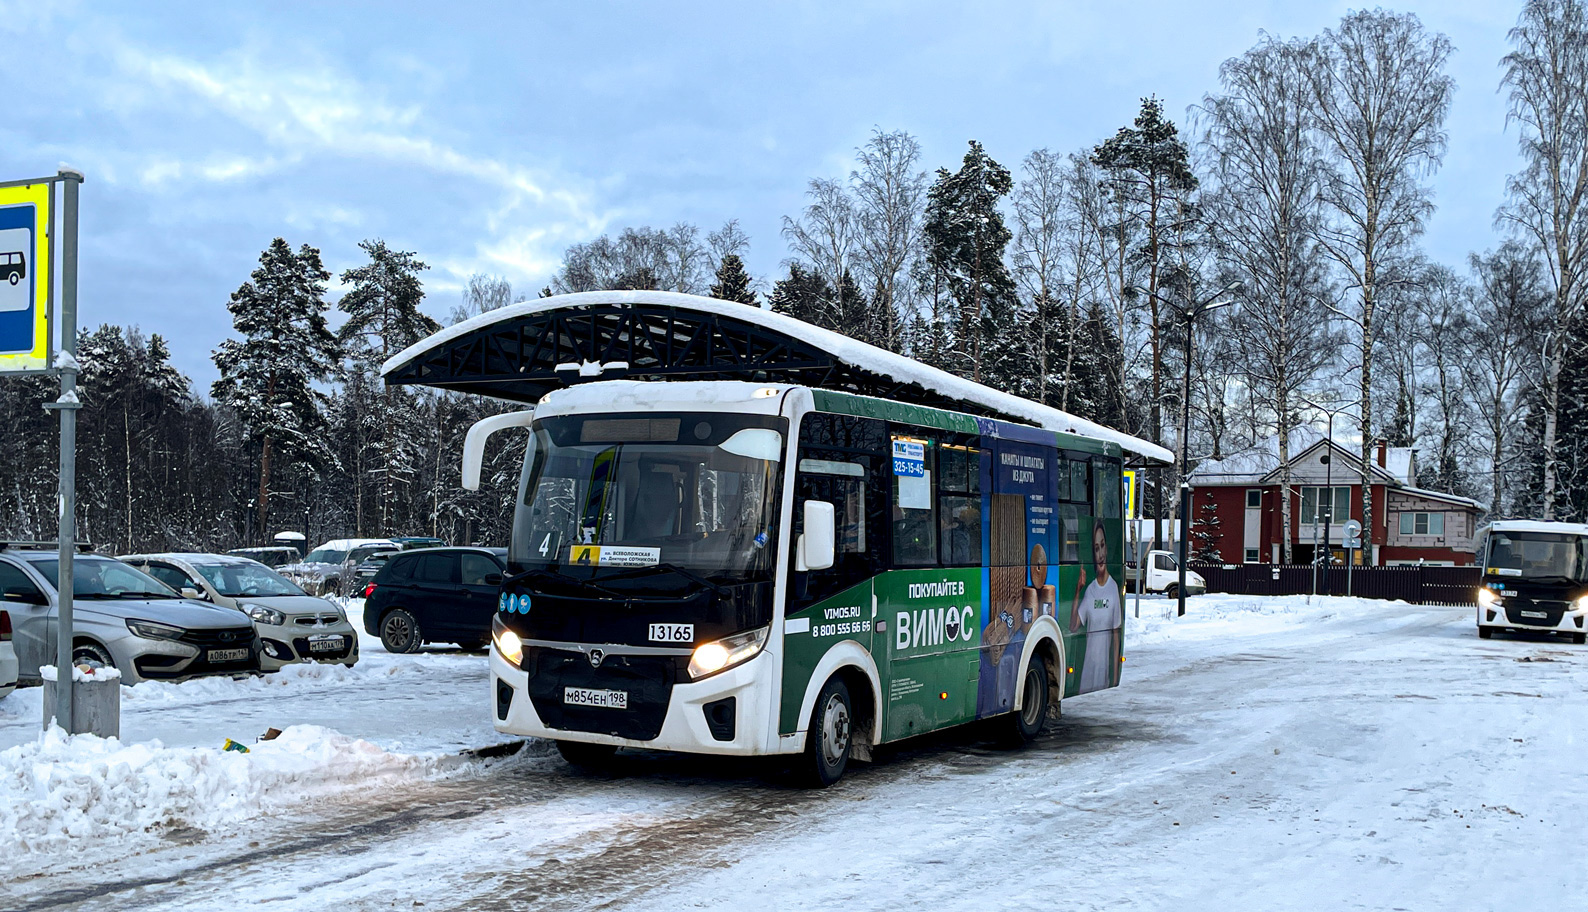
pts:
pixel 102 577
pixel 697 492
pixel 325 556
pixel 1538 555
pixel 240 579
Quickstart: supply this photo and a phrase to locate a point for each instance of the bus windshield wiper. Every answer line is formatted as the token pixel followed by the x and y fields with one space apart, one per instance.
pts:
pixel 548 573
pixel 1549 578
pixel 690 575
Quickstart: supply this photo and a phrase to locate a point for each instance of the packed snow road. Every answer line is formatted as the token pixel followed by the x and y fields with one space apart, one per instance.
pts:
pixel 1261 754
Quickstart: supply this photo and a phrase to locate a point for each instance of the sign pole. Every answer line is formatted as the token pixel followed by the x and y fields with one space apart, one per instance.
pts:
pixel 66 364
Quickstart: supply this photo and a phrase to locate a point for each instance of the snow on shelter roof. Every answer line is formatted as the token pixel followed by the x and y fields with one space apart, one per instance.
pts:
pixel 514 353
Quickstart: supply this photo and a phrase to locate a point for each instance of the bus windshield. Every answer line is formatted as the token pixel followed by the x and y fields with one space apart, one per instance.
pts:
pixel 1538 555
pixel 691 492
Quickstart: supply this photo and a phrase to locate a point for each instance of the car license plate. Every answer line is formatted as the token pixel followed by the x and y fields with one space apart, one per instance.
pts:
pixel 1535 614
pixel 601 699
pixel 325 642
pixel 227 655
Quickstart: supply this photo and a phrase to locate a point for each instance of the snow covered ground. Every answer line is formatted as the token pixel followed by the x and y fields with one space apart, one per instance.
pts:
pixel 1262 753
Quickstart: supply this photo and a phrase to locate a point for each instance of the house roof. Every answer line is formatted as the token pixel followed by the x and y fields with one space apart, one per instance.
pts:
pixel 1254 465
pixel 1440 495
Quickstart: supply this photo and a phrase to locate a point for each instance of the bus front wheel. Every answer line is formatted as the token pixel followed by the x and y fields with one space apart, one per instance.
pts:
pixel 1027 722
pixel 587 756
pixel 830 737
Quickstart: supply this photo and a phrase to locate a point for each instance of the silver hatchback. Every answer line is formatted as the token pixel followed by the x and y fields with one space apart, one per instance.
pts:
pixel 122 618
pixel 293 625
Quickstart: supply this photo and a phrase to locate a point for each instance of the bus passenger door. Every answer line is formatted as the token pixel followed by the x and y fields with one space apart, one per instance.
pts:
pixel 827 607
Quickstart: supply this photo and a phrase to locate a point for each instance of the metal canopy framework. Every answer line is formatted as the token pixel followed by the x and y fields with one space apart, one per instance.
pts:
pixel 523 351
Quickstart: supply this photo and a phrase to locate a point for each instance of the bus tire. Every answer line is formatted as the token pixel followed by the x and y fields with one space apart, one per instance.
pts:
pixel 830 737
pixel 1027 722
pixel 587 756
pixel 1485 633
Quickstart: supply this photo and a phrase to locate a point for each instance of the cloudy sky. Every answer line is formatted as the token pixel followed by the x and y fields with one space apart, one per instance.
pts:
pixel 488 137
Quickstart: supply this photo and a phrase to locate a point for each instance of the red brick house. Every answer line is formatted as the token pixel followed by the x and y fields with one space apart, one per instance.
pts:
pixel 1242 491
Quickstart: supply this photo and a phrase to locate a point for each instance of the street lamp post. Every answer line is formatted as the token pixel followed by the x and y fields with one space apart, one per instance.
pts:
pixel 1328 486
pixel 1189 315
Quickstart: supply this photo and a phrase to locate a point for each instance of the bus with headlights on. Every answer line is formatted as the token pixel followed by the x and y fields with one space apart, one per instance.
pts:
pixel 725 567
pixel 1535 578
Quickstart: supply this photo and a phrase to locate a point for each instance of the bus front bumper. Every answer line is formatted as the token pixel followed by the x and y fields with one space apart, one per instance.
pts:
pixel 1503 617
pixel 686 727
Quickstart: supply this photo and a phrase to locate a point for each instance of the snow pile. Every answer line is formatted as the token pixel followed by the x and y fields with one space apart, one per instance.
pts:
pixel 82 674
pixel 66 793
pixel 1222 614
pixel 298 676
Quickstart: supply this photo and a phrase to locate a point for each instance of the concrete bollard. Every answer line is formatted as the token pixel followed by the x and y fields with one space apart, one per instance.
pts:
pixel 96 700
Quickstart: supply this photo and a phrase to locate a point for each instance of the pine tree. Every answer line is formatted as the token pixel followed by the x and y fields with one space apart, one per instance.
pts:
pixel 384 318
pixel 267 377
pixel 1150 166
pixel 1205 532
pixel 966 237
pixel 733 283
pixel 804 295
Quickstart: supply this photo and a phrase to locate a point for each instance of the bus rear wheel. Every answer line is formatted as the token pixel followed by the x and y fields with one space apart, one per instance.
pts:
pixel 1027 722
pixel 830 736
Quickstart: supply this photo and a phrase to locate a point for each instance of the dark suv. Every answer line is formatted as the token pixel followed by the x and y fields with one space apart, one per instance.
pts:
pixel 445 595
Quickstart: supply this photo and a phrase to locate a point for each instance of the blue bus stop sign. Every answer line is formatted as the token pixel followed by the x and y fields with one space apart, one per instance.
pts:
pixel 24 278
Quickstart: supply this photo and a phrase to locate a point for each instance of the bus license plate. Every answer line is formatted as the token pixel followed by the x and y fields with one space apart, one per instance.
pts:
pixel 227 655
pixel 601 699
pixel 325 642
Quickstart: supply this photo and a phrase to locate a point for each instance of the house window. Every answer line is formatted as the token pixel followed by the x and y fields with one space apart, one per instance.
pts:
pixel 1315 504
pixel 1254 498
pixel 1253 555
pixel 1422 524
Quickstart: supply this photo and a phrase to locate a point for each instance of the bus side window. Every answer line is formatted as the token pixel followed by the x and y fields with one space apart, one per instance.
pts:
pixel 1106 488
pixel 914 502
pixel 959 505
pixel 842 462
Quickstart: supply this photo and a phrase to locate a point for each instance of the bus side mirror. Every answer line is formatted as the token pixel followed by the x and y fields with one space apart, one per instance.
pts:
pixel 816 543
pixel 474 442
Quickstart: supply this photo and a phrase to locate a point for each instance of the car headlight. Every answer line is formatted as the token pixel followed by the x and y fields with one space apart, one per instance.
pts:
pixel 153 631
pixel 507 642
pixel 1580 605
pixel 1488 599
pixel 264 614
pixel 710 658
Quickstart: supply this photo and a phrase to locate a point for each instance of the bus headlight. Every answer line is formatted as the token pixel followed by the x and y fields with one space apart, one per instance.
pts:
pixel 710 658
pixel 508 644
pixel 1488 599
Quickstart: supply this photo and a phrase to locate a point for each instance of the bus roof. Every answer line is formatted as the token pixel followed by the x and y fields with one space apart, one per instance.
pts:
pixel 1535 525
pixel 523 351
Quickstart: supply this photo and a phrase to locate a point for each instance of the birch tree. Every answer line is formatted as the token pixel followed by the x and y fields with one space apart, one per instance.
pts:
pixel 1266 212
pixel 1546 76
pixel 1380 96
pixel 889 195
pixel 1513 301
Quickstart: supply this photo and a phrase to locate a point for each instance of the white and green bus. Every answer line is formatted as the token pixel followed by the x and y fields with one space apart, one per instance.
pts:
pixel 758 568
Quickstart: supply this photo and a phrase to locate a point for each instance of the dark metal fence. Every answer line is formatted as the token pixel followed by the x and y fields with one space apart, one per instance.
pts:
pixel 1417 585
